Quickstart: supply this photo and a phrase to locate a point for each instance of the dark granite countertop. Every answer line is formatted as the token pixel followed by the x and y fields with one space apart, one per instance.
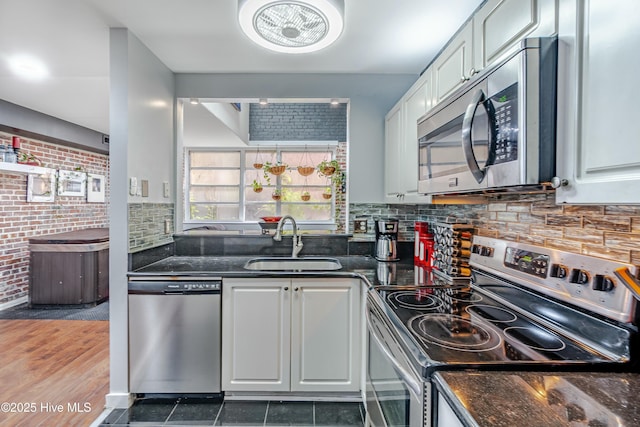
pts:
pixel 375 272
pixel 541 399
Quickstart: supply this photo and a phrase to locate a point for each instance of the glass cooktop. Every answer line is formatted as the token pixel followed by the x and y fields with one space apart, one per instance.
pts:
pixel 460 325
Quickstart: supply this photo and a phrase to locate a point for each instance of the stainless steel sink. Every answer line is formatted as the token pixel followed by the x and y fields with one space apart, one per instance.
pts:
pixel 297 264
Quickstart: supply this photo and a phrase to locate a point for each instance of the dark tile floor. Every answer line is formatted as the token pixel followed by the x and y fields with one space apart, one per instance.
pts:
pixel 187 411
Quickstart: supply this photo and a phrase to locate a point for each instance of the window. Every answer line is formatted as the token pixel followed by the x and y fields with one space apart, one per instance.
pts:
pixel 220 186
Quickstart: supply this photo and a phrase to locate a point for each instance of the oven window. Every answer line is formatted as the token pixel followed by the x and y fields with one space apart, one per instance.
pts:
pixel 391 393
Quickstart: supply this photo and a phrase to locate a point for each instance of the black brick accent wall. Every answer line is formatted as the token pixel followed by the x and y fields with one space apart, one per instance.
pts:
pixel 298 122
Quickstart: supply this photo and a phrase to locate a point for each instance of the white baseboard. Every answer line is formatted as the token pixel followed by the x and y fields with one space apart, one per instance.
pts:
pixel 14 302
pixel 119 400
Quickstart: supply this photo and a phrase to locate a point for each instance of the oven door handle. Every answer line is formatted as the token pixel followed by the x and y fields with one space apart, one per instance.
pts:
pixel 412 384
pixel 467 142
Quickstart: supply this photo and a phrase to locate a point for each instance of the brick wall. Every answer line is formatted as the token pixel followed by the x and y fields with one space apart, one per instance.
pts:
pixel 611 232
pixel 298 122
pixel 21 220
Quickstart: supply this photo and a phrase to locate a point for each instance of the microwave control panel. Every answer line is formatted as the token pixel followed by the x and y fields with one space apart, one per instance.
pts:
pixel 505 122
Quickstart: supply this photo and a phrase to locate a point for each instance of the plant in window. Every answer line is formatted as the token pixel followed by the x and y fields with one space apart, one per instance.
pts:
pixel 305 170
pixel 257 186
pixel 276 195
pixel 328 167
pixel 306 196
pixel 275 169
pixel 327 193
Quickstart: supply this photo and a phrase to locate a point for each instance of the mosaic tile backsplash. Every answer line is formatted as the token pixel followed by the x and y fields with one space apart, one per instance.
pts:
pixel 611 232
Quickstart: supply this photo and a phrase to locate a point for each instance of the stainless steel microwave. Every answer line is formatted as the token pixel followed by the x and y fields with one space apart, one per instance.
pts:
pixel 498 131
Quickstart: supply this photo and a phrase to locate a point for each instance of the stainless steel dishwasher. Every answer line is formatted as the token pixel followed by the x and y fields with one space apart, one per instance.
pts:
pixel 174 335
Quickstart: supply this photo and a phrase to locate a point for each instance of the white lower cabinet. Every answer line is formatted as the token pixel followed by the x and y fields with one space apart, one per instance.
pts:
pixel 298 335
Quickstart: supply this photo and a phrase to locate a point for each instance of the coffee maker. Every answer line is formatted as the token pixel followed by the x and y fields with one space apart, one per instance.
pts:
pixel 386 240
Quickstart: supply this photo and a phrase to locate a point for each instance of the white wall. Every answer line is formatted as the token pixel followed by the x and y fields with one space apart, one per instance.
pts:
pixel 141 144
pixel 204 129
pixel 236 121
pixel 371 96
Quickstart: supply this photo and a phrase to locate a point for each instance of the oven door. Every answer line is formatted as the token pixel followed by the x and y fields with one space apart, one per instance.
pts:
pixel 395 393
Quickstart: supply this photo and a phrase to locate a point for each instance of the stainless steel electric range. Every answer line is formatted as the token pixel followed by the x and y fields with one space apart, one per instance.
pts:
pixel 526 308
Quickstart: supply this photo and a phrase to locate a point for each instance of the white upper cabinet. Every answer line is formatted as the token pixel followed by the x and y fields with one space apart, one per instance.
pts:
pixel 454 64
pixel 500 25
pixel 598 149
pixel 401 143
pixel 416 103
pixel 392 148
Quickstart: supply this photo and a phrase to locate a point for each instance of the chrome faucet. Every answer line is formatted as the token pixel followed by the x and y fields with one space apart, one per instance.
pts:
pixel 297 240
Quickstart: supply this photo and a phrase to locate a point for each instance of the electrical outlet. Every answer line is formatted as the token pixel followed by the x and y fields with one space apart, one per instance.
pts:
pixel 167 226
pixel 165 189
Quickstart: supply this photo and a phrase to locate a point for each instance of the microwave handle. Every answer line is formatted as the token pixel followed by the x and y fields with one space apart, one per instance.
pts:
pixel 467 143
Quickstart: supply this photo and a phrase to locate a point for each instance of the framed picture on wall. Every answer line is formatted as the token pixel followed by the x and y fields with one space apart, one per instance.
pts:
pixel 72 183
pixel 95 188
pixel 40 188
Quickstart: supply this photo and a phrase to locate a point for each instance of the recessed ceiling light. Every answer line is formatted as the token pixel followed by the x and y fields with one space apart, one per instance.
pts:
pixel 335 101
pixel 28 67
pixel 263 101
pixel 194 101
pixel 292 26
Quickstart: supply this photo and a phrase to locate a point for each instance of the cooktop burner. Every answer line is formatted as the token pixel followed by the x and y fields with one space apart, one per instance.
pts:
pixel 466 296
pixel 535 338
pixel 417 299
pixel 454 332
pixel 492 314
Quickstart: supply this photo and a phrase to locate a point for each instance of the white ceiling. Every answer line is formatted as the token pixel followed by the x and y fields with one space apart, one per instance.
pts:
pixel 200 36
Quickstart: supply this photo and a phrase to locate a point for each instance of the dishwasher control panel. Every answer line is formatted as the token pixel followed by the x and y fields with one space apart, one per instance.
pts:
pixel 193 286
pixel 171 286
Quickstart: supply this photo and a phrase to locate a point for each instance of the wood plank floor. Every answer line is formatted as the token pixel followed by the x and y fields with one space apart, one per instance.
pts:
pixel 53 372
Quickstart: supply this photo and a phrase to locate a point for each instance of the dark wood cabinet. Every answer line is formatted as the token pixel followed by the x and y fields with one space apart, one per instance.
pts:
pixel 69 268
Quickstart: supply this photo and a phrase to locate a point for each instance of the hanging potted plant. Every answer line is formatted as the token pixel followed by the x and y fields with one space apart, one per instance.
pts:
pixel 257 186
pixel 328 167
pixel 305 170
pixel 327 194
pixel 276 195
pixel 306 196
pixel 257 163
pixel 275 169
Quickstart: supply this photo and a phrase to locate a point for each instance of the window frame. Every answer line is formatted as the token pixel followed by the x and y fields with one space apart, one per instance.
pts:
pixel 242 224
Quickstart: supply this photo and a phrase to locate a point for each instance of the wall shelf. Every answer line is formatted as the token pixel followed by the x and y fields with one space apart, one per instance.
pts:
pixel 24 169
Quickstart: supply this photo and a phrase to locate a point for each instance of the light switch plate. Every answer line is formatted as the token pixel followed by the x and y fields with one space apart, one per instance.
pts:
pixel 133 186
pixel 165 189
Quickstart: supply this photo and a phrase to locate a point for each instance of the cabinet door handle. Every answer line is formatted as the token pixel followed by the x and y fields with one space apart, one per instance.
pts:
pixel 296 289
pixel 286 288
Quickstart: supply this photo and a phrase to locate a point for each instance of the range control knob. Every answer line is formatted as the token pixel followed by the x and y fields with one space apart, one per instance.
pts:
pixel 578 276
pixel 559 271
pixel 603 283
pixel 486 251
